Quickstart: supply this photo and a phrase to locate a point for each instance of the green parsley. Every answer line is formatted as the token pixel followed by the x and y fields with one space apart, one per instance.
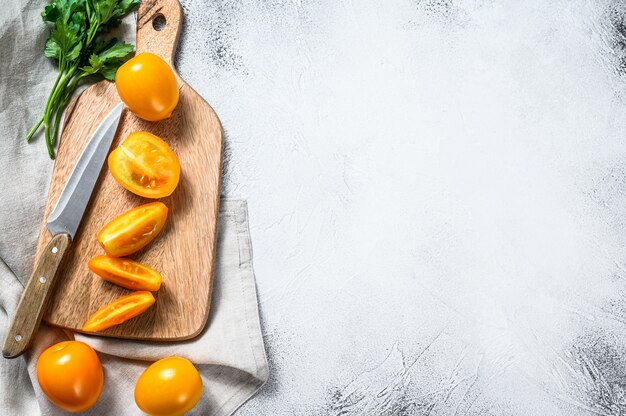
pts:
pixel 76 46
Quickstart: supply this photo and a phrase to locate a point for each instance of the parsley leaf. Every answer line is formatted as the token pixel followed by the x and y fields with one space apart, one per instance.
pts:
pixel 107 57
pixel 64 43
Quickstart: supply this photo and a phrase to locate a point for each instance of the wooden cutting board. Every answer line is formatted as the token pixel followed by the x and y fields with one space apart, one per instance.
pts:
pixel 185 250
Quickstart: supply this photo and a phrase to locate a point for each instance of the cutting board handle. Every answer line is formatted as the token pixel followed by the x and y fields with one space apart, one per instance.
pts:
pixel 158 28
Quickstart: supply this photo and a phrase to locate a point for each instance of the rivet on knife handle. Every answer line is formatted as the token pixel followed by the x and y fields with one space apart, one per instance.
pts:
pixel 33 302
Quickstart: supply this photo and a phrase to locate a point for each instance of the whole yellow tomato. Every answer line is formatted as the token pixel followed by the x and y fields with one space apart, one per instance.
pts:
pixel 169 387
pixel 70 374
pixel 147 85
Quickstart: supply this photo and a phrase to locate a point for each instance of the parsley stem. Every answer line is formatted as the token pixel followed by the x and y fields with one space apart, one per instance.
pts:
pixel 54 87
pixel 32 131
pixel 69 92
pixel 53 108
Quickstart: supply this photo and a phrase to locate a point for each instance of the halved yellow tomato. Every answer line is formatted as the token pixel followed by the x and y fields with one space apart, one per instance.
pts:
pixel 127 273
pixel 145 165
pixel 118 311
pixel 133 230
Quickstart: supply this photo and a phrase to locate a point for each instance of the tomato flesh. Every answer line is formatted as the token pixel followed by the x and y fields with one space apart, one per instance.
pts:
pixel 145 165
pixel 133 230
pixel 148 86
pixel 70 375
pixel 126 273
pixel 118 311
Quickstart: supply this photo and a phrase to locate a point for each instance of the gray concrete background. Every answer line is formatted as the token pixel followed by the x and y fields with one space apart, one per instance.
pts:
pixel 437 195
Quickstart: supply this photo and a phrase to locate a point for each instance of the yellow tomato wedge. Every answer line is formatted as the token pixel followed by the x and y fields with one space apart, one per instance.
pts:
pixel 126 273
pixel 133 230
pixel 118 311
pixel 145 165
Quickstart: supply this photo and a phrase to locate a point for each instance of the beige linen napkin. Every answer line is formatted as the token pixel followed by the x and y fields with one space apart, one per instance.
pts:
pixel 229 353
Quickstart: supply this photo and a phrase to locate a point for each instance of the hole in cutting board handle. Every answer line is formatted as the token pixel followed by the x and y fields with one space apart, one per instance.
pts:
pixel 159 22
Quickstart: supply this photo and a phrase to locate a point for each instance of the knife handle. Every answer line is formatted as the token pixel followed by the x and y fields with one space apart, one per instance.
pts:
pixel 32 304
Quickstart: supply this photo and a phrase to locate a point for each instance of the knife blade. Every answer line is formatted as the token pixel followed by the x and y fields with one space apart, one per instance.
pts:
pixel 63 222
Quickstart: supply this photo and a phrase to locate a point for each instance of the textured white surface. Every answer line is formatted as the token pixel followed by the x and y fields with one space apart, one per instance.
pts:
pixel 437 194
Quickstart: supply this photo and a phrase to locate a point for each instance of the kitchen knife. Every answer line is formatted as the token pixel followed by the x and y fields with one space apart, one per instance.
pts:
pixel 62 223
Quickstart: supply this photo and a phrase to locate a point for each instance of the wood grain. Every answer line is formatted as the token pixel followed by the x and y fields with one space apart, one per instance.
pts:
pixel 35 297
pixel 184 252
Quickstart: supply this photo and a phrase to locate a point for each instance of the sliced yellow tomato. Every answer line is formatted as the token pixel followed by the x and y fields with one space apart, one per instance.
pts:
pixel 126 273
pixel 145 165
pixel 118 311
pixel 133 230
